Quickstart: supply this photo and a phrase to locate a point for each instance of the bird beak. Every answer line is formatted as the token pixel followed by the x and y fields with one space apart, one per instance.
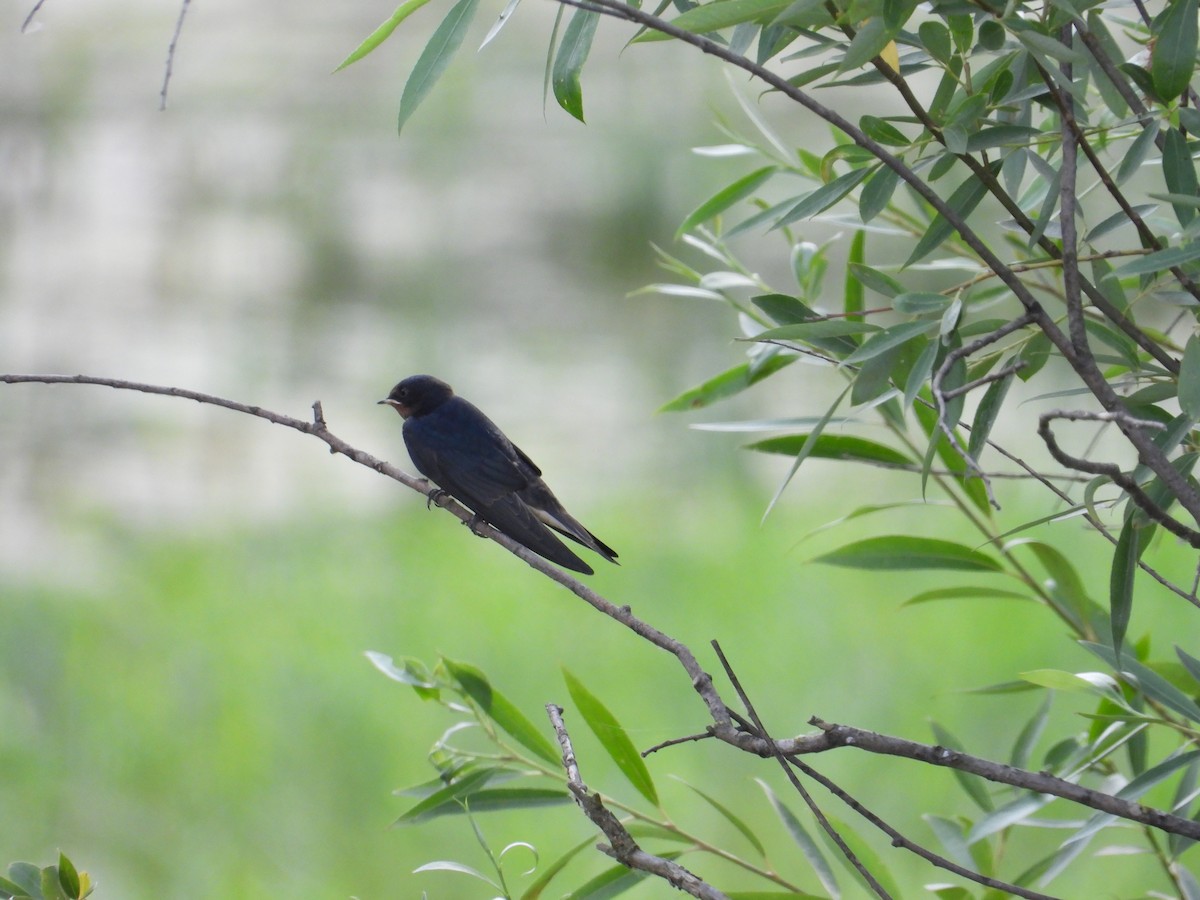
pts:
pixel 397 406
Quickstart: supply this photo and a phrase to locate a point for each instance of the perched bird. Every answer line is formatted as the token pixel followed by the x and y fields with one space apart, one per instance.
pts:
pixel 460 449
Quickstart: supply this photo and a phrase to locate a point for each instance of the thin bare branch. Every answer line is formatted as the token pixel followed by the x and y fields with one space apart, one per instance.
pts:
pixel 621 846
pixel 183 10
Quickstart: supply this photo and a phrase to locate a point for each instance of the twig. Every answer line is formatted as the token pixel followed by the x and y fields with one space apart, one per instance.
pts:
pixel 1126 483
pixel 621 845
pixel 29 18
pixel 183 8
pixel 822 820
pixel 672 742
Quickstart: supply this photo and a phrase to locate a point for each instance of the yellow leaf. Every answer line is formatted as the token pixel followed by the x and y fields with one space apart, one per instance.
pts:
pixel 891 56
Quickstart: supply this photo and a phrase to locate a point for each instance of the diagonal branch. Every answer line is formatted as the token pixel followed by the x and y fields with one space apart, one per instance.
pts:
pixel 621 845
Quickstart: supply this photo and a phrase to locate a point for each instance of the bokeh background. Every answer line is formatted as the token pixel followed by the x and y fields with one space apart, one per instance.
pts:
pixel 186 594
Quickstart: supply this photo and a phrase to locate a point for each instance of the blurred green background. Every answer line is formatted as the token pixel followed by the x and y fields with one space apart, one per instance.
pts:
pixel 186 594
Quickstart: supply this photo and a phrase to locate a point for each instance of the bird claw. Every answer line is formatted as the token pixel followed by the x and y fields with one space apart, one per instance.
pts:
pixel 434 496
pixel 473 523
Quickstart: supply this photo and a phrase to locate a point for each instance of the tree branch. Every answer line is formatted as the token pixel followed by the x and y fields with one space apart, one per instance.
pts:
pixel 621 845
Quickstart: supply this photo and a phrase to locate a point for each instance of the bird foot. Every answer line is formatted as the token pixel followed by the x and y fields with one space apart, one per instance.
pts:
pixel 434 496
pixel 473 523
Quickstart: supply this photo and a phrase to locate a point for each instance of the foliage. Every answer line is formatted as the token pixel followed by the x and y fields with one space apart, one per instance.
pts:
pixel 978 109
pixel 62 881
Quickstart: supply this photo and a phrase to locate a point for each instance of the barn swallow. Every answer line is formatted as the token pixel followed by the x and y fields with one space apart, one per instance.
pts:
pixel 461 450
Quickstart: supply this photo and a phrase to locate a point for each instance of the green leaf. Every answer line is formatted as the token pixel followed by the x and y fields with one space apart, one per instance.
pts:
pixel 447 865
pixel 1130 546
pixel 67 876
pixel 568 62
pixel 986 414
pixel 935 37
pixel 502 711
pixel 852 293
pixel 732 819
pixel 903 552
pixel 1001 136
pixel 877 193
pixel 920 303
pixel 971 784
pixel 1160 260
pixel 1174 54
pixel 833 446
pixel 821 328
pixel 535 890
pixel 725 198
pixel 381 34
pixel 876 281
pixel 823 197
pixel 868 42
pixel 435 58
pixel 1147 680
pixel 1066 589
pixel 715 16
pixel 612 737
pixel 1023 747
pixel 807 846
pixel 1189 378
pixel 730 382
pixel 1179 171
pixel 963 201
pixel 501 20
pixel 885 340
pixel 806 449
pixel 455 799
pixel 965 592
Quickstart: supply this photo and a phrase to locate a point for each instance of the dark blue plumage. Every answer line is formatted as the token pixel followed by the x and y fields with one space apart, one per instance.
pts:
pixel 461 450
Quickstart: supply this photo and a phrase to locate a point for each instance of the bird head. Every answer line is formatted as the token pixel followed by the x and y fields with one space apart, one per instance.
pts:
pixel 417 395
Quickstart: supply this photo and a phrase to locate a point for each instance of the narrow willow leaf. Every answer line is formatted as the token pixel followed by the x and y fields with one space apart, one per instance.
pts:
pixel 1179 171
pixel 965 592
pixel 501 20
pixel 852 294
pixel 1150 682
pixel 1001 136
pixel 715 16
pixel 730 382
pixel 612 737
pixel 732 819
pixel 806 450
pixel 877 193
pixel 1138 151
pixel 919 374
pixel 876 281
pixel 1174 54
pixel 1117 220
pixel 1190 663
pixel 885 340
pixel 535 890
pixel 833 446
pixel 447 799
pixel 435 58
pixel 866 855
pixel 1065 587
pixel 502 711
pixel 1022 750
pixel 963 201
pixel 1130 546
pixel 725 198
pixel 1189 378
pixel 410 674
pixel 902 552
pixel 1160 260
pixel 807 846
pixel 381 34
pixel 920 303
pixel 986 414
pixel 447 865
pixel 568 62
pixel 824 196
pixel 952 838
